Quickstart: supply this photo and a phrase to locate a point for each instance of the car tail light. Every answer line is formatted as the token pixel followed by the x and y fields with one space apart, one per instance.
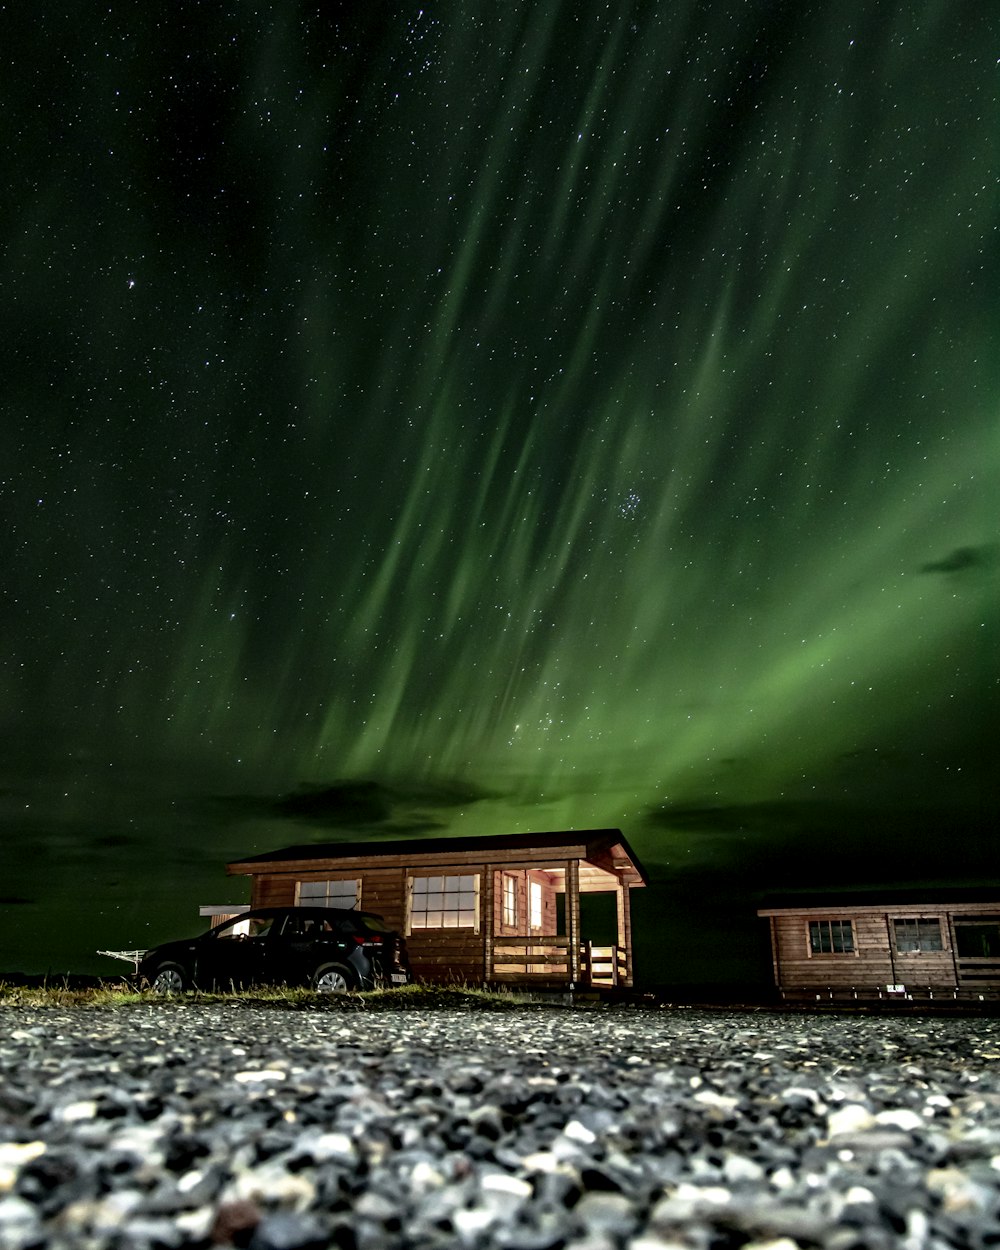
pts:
pixel 368 939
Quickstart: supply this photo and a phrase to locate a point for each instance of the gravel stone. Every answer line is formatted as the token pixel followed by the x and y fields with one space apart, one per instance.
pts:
pixel 183 1126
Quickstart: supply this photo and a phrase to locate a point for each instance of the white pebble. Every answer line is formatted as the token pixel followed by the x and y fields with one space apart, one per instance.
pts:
pixel 264 1074
pixel 900 1118
pixel 75 1111
pixel 576 1131
pixel 425 1177
pixel 510 1186
pixel 709 1098
pixel 470 1223
pixel 852 1118
pixel 335 1147
pixel 775 1243
pixel 16 1214
pixel 13 1156
pixel 740 1168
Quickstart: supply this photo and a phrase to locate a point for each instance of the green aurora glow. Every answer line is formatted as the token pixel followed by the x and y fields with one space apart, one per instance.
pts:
pixel 553 414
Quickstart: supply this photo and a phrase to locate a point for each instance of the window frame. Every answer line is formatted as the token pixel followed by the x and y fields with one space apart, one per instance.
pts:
pixel 328 899
pixel 444 876
pixel 831 921
pixel 508 900
pixel 918 922
pixel 536 919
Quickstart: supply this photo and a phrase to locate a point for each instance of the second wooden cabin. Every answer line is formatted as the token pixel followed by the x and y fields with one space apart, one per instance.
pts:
pixel 494 909
pixel 894 944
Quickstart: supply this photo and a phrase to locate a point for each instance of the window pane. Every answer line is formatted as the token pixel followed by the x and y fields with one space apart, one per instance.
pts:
pixel 831 937
pixel 443 902
pixel 917 934
pixel 329 893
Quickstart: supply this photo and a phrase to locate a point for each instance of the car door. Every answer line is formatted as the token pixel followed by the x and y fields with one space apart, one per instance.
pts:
pixel 235 954
pixel 298 945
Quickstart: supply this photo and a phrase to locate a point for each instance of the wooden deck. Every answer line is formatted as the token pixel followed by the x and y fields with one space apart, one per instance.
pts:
pixel 523 961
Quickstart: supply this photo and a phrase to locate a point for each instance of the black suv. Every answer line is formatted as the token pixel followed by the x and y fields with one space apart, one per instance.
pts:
pixel 327 948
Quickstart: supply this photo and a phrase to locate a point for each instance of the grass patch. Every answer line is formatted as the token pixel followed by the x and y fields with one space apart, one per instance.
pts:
pixel 416 995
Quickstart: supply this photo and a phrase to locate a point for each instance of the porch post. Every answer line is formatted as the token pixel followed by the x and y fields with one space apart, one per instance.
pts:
pixel 573 918
pixel 625 928
pixel 486 921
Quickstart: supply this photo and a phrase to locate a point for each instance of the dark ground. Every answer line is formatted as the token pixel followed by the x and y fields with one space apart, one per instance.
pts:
pixel 179 1125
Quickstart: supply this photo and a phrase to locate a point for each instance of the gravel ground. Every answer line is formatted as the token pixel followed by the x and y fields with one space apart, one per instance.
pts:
pixel 531 1129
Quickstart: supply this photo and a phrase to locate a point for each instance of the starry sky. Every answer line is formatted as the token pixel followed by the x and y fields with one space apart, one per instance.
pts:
pixel 478 418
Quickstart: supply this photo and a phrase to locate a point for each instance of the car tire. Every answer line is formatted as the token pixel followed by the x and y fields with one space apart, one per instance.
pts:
pixel 332 979
pixel 168 979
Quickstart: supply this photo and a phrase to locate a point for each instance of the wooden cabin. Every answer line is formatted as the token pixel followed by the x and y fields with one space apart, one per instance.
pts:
pixel 494 910
pixel 904 945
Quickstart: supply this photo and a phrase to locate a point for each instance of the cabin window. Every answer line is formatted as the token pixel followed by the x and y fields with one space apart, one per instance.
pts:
pixel 444 902
pixel 917 934
pixel 510 902
pixel 831 937
pixel 978 940
pixel 535 904
pixel 346 894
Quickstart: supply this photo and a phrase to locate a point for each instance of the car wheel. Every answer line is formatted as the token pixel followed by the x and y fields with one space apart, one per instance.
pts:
pixel 331 979
pixel 168 979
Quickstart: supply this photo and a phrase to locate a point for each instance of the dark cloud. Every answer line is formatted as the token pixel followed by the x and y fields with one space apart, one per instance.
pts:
pixel 366 806
pixel 965 559
pixel 344 803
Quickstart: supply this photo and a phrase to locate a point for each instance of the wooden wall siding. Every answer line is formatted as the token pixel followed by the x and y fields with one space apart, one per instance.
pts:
pixel 383 891
pixel 446 955
pixel 875 961
pixel 276 891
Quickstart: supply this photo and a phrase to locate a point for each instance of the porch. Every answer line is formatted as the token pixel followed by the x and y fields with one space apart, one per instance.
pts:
pixel 539 922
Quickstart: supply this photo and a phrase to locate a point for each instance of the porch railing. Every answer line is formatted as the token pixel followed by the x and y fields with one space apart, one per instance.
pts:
pixel 548 957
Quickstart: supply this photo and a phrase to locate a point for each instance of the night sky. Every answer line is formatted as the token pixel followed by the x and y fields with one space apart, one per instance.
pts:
pixel 491 417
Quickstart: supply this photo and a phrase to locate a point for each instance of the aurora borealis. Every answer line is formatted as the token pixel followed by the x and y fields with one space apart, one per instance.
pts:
pixel 498 417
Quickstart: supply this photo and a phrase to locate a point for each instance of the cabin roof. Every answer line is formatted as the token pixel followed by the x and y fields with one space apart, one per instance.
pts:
pixel 595 842
pixel 880 900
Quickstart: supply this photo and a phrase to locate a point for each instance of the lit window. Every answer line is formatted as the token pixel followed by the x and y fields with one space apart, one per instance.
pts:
pixel 831 937
pixel 535 896
pixel 917 934
pixel 510 902
pixel 344 894
pixel 444 902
